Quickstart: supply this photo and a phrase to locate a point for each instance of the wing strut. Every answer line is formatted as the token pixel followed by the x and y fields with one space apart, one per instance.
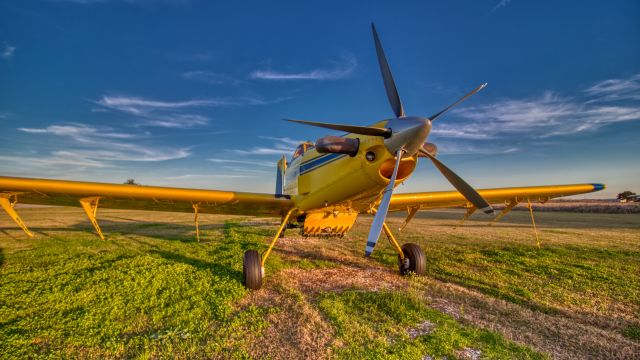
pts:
pixel 512 203
pixel 533 222
pixel 411 212
pixel 195 219
pixel 470 211
pixel 90 206
pixel 7 205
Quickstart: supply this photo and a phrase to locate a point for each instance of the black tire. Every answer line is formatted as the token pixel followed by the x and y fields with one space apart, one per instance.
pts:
pixel 414 261
pixel 252 270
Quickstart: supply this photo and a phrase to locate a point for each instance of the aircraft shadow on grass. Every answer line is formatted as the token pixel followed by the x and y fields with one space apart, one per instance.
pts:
pixel 226 246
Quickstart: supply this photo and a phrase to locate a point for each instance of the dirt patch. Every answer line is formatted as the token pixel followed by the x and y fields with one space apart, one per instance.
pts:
pixel 312 282
pixel 557 335
pixel 300 330
pixel 423 328
pixel 297 330
pixel 469 354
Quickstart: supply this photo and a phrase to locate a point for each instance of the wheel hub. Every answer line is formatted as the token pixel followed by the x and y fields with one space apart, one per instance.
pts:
pixel 404 262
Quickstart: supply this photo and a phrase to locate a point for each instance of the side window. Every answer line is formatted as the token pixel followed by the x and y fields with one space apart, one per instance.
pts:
pixel 308 146
pixel 299 151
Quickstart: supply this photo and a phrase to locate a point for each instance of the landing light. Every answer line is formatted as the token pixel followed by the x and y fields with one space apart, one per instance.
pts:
pixel 370 155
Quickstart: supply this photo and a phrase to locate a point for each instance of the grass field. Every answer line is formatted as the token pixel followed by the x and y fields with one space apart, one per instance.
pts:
pixel 152 291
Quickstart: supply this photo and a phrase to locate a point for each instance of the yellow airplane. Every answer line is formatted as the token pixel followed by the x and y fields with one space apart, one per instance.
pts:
pixel 324 186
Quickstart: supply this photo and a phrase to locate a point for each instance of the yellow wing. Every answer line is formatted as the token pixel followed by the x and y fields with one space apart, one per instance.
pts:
pixel 136 197
pixel 443 199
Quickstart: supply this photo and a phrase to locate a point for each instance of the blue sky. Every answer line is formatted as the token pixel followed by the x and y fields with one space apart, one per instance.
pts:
pixel 191 93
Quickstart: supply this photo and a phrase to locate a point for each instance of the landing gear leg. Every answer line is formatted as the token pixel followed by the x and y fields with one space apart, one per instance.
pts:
pixel 253 265
pixel 411 257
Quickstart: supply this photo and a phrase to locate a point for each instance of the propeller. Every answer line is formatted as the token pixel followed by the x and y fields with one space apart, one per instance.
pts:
pixel 472 92
pixel 404 136
pixel 389 84
pixel 465 189
pixel 362 130
pixel 381 213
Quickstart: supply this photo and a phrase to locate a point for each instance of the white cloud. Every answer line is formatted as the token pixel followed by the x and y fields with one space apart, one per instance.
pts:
pixel 242 162
pixel 483 148
pixel 282 146
pixel 100 147
pixel 175 120
pixel 285 140
pixel 339 71
pixel 174 114
pixel 140 106
pixel 546 115
pixel 78 131
pixel 258 150
pixel 501 4
pixel 59 160
pixel 616 89
pixel 458 132
pixel 8 51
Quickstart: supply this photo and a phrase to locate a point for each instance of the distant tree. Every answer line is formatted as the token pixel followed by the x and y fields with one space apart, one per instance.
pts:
pixel 625 194
pixel 131 182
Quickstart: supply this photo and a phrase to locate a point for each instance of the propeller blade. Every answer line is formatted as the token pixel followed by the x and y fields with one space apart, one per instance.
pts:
pixel 362 130
pixel 389 84
pixel 381 213
pixel 465 189
pixel 433 117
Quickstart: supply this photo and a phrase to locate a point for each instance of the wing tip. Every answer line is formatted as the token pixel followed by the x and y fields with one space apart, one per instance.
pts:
pixel 598 187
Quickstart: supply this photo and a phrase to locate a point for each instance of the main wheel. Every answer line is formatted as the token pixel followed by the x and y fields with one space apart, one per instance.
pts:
pixel 252 270
pixel 414 260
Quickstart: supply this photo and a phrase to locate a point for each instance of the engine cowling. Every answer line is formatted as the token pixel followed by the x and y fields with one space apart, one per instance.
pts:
pixel 337 145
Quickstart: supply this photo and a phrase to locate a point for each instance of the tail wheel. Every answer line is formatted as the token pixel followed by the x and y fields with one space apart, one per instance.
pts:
pixel 252 270
pixel 414 260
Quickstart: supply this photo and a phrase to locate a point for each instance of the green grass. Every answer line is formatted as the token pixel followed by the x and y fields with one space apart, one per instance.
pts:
pixel 572 277
pixel 152 291
pixel 582 275
pixel 632 332
pixel 373 325
pixel 128 297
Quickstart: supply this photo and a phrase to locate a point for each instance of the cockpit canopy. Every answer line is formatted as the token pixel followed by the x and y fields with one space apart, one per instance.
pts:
pixel 301 149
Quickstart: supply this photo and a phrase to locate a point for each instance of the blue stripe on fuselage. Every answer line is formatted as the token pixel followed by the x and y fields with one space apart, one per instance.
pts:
pixel 318 162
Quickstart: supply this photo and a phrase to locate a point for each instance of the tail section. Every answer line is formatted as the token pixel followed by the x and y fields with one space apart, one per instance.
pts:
pixel 282 167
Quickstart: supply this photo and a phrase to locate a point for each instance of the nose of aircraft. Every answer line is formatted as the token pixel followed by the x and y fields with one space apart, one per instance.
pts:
pixel 408 133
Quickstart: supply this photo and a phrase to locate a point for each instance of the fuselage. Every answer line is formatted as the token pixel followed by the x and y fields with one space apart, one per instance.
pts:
pixel 317 181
